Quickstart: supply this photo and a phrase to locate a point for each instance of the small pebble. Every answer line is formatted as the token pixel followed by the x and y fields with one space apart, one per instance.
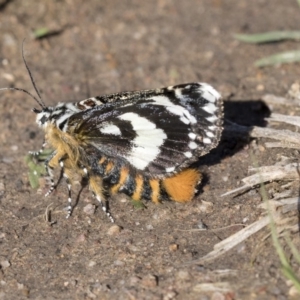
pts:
pixel 260 87
pixel 81 238
pixel 14 148
pixel 293 293
pixel 2 188
pixel 205 206
pixel 245 220
pixel 217 296
pixel 89 209
pixel 114 230
pixel 149 227
pixel 183 275
pixel 9 77
pixel 119 263
pixel 170 295
pixel 149 281
pixel 173 247
pixel 20 286
pixel 202 225
pixel 225 178
pixel 4 62
pixel 123 200
pixel 92 263
pixel 4 264
pixel 134 280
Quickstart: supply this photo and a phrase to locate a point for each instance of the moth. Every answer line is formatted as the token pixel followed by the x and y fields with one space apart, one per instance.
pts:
pixel 139 143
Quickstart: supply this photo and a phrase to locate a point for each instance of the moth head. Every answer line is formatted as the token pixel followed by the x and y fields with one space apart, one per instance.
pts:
pixel 57 115
pixel 43 116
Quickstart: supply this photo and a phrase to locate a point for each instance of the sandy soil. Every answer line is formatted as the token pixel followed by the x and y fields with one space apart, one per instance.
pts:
pixel 100 47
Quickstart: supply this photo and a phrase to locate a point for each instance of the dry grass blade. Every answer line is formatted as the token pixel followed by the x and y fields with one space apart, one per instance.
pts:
pixel 268 174
pixel 232 241
pixel 221 287
pixel 283 135
pixel 270 99
pixel 293 120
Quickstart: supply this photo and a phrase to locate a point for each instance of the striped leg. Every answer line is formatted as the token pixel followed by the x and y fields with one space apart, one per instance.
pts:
pixel 69 207
pixel 37 153
pixel 69 186
pixel 49 173
pixel 54 185
pixel 96 186
pixel 104 207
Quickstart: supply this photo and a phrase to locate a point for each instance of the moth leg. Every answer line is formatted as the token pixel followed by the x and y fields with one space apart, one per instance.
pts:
pixel 37 153
pixel 96 187
pixel 69 186
pixel 49 173
pixel 104 207
pixel 69 207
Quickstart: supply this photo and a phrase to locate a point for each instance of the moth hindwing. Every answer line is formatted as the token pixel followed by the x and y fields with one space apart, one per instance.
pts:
pixel 139 143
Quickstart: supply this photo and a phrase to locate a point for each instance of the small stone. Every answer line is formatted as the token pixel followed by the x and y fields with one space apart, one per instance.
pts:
pixel 225 178
pixel 149 281
pixel 114 230
pixel 81 238
pixel 202 225
pixel 170 295
pixel 123 200
pixel 183 275
pixel 23 288
pixel 9 40
pixel 119 263
pixel 245 220
pixel 149 227
pixel 4 264
pixel 9 77
pixel 89 209
pixel 205 207
pixel 2 188
pixel 217 296
pixel 134 280
pixel 293 293
pixel 4 62
pixel 14 148
pixel 173 247
pixel 260 87
pixel 92 263
pixel 20 286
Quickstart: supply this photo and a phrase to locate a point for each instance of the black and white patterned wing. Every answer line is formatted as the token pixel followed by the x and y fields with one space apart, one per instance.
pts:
pixel 158 131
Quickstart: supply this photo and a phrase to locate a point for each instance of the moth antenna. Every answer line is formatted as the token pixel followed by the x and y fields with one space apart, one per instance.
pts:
pixel 40 102
pixel 24 91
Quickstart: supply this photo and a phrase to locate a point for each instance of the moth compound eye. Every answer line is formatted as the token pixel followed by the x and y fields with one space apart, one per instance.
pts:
pixel 42 118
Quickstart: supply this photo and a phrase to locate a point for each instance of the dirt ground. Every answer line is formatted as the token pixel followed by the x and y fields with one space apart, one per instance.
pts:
pixel 100 47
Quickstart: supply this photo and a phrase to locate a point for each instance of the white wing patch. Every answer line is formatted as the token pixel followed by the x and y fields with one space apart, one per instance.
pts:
pixel 110 129
pixel 147 142
pixel 209 93
pixel 177 110
pixel 210 108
